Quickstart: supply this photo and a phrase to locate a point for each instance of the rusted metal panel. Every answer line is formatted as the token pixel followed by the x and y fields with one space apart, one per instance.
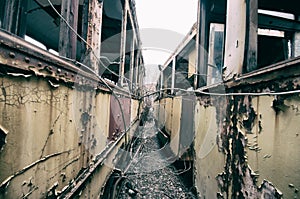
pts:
pixel 285 71
pixel 187 124
pixel 94 26
pixel 208 160
pixel 31 60
pixel 67 37
pixel 43 156
pixel 272 147
pixel 175 118
pixel 116 123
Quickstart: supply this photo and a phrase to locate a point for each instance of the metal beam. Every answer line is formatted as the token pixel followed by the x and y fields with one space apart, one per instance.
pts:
pixel 250 60
pixel 202 43
pixel 136 69
pixel 173 75
pixel 132 54
pixel 94 33
pixel 123 43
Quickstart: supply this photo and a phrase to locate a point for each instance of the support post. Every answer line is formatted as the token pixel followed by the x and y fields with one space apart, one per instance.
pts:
pixel 136 70
pixel 161 82
pixel 132 54
pixel 235 38
pixel 202 43
pixel 84 29
pixel 14 16
pixel 173 75
pixel 296 42
pixel 123 43
pixel 94 34
pixel 250 61
pixel 67 37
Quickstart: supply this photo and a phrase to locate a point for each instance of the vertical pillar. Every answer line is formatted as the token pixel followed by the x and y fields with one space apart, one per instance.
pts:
pixel 296 42
pixel 132 54
pixel 94 33
pixel 202 43
pixel 161 82
pixel 14 16
pixel 136 69
pixel 173 74
pixel 67 36
pixel 235 38
pixel 123 43
pixel 84 28
pixel 141 77
pixel 250 60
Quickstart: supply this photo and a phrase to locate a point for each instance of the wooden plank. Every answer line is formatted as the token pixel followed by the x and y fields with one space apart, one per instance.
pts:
pixel 67 37
pixel 250 60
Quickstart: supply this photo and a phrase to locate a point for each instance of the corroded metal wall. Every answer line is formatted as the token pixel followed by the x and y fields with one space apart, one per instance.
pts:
pixel 53 133
pixel 116 123
pixel 244 146
pixel 177 113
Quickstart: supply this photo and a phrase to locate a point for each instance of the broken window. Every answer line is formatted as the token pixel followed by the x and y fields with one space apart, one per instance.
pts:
pixel 277 32
pixel 275 38
pixel 215 53
pixel 211 26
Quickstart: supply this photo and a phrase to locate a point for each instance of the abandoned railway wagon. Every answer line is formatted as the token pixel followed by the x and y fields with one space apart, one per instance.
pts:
pixel 70 75
pixel 235 79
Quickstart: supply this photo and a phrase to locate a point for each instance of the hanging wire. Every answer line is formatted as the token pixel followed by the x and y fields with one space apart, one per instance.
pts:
pixel 98 59
pixel 84 41
pixel 270 93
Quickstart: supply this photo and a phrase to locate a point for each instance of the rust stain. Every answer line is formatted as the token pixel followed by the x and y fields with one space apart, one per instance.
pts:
pixel 234 113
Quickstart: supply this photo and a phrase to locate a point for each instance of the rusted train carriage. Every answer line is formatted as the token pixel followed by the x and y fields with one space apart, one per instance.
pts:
pixel 61 102
pixel 240 65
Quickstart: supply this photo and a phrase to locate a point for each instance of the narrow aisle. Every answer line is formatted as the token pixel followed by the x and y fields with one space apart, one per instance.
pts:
pixel 151 174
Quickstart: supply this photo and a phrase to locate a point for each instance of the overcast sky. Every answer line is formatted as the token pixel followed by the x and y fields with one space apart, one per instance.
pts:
pixel 163 24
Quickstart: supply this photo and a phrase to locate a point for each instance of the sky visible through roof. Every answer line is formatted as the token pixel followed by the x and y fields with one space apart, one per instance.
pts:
pixel 163 24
